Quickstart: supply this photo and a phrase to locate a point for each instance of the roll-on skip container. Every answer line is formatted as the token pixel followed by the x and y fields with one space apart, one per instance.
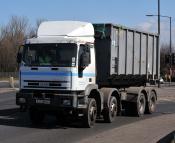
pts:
pixel 87 71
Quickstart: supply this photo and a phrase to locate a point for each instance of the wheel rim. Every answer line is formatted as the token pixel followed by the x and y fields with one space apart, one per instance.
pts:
pixel 92 113
pixel 113 108
pixel 141 104
pixel 152 102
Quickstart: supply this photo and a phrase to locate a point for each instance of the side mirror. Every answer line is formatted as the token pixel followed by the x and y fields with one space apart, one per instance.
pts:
pixel 19 58
pixel 84 60
pixel 19 54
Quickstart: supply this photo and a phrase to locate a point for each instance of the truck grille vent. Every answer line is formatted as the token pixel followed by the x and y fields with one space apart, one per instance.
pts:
pixel 33 84
pixel 46 84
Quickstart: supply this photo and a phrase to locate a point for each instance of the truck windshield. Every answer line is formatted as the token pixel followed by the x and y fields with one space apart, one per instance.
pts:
pixel 61 55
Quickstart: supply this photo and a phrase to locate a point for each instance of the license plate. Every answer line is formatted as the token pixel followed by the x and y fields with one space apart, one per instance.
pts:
pixel 42 101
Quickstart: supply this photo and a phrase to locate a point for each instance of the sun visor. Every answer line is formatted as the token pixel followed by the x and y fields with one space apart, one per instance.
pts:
pixel 66 28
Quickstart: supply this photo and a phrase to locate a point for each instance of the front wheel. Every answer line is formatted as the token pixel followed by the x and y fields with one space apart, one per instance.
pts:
pixel 90 113
pixel 110 113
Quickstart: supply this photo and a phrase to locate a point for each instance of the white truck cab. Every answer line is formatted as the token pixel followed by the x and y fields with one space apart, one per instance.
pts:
pixel 57 67
pixel 54 59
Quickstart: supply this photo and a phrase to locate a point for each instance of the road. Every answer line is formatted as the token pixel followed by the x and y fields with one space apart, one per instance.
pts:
pixel 15 127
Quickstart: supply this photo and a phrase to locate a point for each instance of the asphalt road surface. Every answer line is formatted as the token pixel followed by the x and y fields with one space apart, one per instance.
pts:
pixel 15 126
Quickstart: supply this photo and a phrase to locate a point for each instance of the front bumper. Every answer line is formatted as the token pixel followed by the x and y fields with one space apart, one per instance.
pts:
pixel 53 100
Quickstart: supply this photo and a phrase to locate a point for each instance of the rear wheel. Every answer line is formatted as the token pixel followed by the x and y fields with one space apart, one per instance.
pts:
pixel 110 113
pixel 136 108
pixel 151 104
pixel 90 113
pixel 141 103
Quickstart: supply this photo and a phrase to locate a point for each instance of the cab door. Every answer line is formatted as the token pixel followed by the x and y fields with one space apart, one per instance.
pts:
pixel 86 71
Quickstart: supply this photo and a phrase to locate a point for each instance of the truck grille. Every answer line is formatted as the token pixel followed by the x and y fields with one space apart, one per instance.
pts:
pixel 46 84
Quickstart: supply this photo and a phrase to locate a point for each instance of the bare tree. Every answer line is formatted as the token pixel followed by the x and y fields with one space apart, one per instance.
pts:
pixel 12 35
pixel 33 30
pixel 164 66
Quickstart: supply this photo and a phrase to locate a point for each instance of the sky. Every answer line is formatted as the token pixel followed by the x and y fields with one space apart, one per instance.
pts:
pixel 130 13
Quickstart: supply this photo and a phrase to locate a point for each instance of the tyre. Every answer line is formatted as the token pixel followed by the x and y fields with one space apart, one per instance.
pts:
pixel 136 108
pixel 110 113
pixel 90 113
pixel 36 116
pixel 151 104
pixel 140 105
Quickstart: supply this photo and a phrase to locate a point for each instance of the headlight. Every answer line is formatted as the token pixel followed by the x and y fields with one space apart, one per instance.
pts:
pixel 22 100
pixel 66 102
pixel 81 101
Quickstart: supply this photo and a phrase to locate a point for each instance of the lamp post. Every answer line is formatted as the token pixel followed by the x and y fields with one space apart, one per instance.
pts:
pixel 158 47
pixel 170 50
pixel 158 18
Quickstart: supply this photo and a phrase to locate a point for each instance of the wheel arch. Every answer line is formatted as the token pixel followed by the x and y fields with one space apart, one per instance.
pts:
pixel 147 91
pixel 107 93
pixel 137 91
pixel 152 90
pixel 92 91
pixel 145 94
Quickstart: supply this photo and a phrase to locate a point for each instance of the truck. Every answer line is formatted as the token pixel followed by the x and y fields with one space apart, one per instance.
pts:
pixel 87 71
